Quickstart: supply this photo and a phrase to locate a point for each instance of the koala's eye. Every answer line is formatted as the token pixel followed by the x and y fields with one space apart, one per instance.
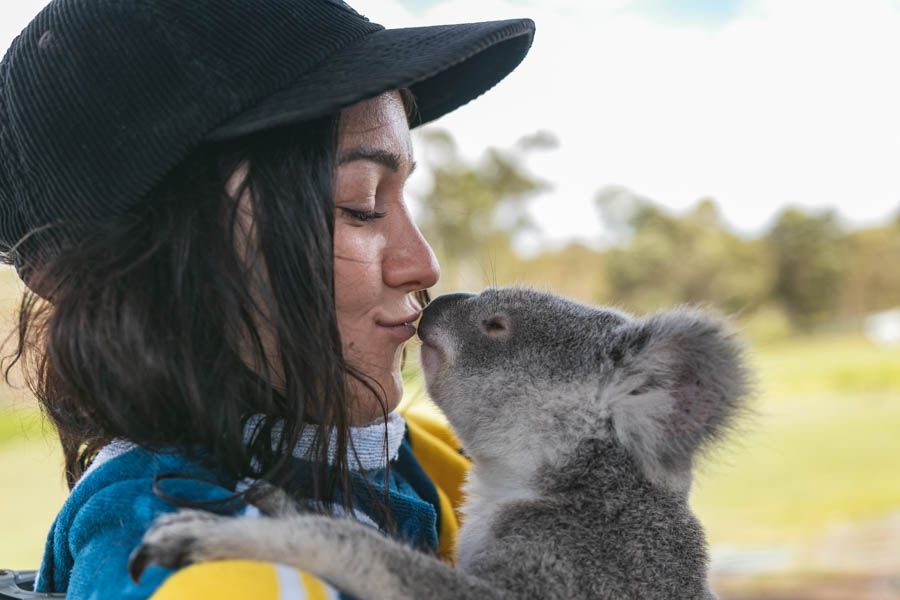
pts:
pixel 496 326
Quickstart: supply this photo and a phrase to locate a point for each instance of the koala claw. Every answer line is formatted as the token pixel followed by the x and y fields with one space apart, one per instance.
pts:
pixel 174 540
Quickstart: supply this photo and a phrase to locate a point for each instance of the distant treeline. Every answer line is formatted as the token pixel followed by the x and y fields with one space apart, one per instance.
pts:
pixel 806 269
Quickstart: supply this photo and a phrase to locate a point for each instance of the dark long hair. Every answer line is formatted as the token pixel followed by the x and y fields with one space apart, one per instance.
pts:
pixel 141 340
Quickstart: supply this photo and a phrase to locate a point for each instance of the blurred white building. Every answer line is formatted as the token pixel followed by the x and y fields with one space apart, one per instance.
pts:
pixel 884 327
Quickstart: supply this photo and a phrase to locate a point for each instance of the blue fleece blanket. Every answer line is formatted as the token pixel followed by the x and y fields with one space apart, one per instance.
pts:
pixel 111 508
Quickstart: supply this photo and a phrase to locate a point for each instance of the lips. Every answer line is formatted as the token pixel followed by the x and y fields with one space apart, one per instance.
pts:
pixel 401 329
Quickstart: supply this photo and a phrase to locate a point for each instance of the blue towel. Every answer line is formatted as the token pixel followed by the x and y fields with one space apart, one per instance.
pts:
pixel 111 508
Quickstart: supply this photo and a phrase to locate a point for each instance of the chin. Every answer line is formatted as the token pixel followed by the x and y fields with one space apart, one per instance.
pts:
pixel 368 408
pixel 393 394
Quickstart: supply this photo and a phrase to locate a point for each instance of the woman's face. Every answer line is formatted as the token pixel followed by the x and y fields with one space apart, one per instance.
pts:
pixel 380 257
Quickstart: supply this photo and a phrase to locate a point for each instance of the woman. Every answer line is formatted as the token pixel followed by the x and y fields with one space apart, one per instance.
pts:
pixel 209 195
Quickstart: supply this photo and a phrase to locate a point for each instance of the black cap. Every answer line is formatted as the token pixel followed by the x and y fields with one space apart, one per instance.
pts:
pixel 100 99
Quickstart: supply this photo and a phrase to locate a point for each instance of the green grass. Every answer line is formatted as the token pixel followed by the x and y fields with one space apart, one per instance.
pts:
pixel 793 476
pixel 823 447
pixel 33 490
pixel 16 424
pixel 11 288
pixel 828 364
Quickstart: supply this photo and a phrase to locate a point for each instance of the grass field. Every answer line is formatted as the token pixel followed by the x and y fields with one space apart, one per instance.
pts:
pixel 823 448
pixel 32 490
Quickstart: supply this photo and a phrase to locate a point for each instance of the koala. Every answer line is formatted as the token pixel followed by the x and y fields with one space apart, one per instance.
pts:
pixel 583 425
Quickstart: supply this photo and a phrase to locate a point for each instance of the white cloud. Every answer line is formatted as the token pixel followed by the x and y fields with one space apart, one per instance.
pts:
pixel 794 101
pixel 14 16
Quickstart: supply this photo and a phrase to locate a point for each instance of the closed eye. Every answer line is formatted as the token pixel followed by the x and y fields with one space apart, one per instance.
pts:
pixel 363 215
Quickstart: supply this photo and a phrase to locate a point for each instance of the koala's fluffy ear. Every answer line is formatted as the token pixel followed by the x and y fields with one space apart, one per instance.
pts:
pixel 677 380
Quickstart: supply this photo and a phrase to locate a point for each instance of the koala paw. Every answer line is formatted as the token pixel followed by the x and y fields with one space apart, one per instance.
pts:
pixel 177 539
pixel 272 501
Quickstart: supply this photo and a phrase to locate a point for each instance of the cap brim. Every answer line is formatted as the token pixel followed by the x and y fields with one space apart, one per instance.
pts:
pixel 445 66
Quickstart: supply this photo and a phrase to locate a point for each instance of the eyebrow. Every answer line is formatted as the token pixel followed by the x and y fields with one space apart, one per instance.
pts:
pixel 391 160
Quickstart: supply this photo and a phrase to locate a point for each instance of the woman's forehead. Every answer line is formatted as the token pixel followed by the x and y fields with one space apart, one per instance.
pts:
pixel 378 122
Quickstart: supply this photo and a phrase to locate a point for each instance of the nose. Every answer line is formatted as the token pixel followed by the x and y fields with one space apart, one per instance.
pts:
pixel 436 308
pixel 409 262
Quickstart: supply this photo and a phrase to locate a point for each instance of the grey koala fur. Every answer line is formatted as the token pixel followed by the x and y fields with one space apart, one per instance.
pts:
pixel 583 425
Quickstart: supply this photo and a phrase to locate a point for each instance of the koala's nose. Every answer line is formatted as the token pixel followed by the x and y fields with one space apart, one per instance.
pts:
pixel 436 308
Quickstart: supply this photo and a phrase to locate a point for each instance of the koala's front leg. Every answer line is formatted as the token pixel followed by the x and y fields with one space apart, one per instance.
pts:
pixel 364 563
pixel 351 556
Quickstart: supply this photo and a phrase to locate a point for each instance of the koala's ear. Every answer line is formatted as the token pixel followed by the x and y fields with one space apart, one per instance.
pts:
pixel 677 380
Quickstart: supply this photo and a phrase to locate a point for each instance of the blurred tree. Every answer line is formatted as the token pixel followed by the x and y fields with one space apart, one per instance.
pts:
pixel 810 255
pixel 619 208
pixel 663 259
pixel 574 270
pixel 539 140
pixel 473 212
pixel 871 280
pixel 803 273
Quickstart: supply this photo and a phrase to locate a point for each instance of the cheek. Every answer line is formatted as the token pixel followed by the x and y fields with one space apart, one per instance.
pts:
pixel 357 271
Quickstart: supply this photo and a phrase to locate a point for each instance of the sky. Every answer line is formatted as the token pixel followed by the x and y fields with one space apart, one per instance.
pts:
pixel 755 103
